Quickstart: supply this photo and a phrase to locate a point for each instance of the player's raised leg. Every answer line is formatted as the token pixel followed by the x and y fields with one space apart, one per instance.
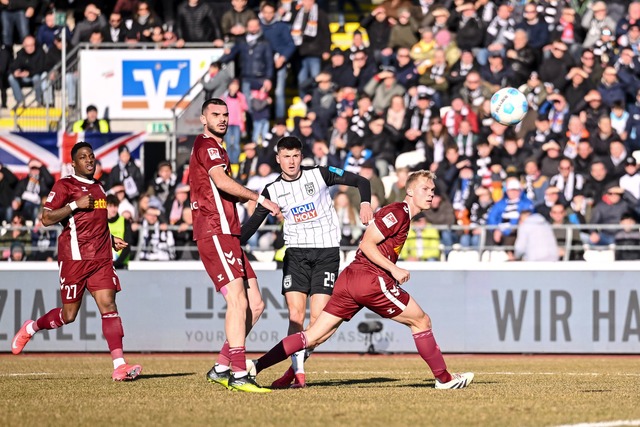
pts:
pixel 297 306
pixel 113 333
pixel 420 324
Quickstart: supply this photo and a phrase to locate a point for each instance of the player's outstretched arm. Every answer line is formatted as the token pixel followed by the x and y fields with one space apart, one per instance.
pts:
pixel 369 247
pixel 225 183
pixel 336 176
pixel 54 216
pixel 251 226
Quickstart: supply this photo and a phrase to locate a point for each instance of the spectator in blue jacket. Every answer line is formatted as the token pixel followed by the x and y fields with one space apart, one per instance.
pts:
pixel 506 213
pixel 278 34
pixel 536 28
pixel 256 59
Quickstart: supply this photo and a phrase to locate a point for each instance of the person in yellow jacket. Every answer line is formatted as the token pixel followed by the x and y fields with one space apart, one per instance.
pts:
pixel 423 242
pixel 91 123
pixel 120 227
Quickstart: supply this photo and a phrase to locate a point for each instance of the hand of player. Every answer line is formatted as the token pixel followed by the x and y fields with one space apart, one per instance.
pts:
pixel 272 207
pixel 119 244
pixel 366 213
pixel 401 275
pixel 85 202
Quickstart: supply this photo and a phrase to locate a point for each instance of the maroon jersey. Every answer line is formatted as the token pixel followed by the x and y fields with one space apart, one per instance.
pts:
pixel 86 232
pixel 214 211
pixel 394 222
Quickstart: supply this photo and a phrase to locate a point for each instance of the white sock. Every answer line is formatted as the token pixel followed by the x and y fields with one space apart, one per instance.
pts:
pixel 221 368
pixel 297 362
pixel 240 374
pixel 118 362
pixel 30 329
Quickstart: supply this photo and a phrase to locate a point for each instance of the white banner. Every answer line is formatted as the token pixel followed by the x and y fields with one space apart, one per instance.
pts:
pixel 141 84
pixel 484 310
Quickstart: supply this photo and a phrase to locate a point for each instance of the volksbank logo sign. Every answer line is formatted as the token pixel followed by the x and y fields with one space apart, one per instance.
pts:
pixel 154 83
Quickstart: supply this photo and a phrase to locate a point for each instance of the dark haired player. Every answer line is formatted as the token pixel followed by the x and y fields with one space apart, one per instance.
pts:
pixel 373 281
pixel 312 233
pixel 216 230
pixel 84 258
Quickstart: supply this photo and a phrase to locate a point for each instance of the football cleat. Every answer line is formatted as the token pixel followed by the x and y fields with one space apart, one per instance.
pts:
pixel 221 378
pixel 285 380
pixel 126 372
pixel 21 338
pixel 246 384
pixel 299 381
pixel 457 381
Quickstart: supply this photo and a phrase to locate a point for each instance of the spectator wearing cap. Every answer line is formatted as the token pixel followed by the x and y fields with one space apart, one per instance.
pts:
pixel 593 21
pixel 506 213
pixel 91 123
pixel 18 253
pixel 417 120
pixel 341 70
pixel 597 181
pixel 127 173
pixel 460 69
pixel 469 31
pixel 357 154
pixel 630 181
pixel 155 240
pixel 499 33
pixel 310 33
pixel 578 86
pixel 608 210
pixel 439 19
pixel 535 240
pixel 550 158
pixel 216 81
pixel 521 56
pixel 382 87
pixel 279 37
pixel 554 67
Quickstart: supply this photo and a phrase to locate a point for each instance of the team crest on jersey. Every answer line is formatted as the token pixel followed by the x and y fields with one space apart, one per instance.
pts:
pixel 310 188
pixel 390 220
pixel 286 282
pixel 51 196
pixel 214 153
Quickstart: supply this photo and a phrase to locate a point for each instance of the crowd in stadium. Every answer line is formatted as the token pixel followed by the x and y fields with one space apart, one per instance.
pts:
pixel 412 92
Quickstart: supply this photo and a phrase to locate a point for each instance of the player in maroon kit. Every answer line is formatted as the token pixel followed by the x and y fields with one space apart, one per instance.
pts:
pixel 216 230
pixel 371 281
pixel 84 258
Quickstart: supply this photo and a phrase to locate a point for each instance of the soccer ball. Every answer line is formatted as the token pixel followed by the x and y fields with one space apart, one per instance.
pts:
pixel 509 106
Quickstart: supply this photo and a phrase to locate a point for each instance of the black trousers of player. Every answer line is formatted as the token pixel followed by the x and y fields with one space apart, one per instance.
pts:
pixel 310 270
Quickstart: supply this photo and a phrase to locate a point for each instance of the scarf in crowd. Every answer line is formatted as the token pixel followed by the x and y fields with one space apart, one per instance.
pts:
pixel 310 29
pixel 465 145
pixel 570 185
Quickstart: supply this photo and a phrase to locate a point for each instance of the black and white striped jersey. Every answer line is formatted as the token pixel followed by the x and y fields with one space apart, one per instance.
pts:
pixel 310 220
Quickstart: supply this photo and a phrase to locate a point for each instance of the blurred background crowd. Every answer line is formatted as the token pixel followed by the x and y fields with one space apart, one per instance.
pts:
pixel 411 92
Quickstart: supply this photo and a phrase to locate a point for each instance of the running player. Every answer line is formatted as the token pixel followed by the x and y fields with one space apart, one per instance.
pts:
pixel 372 280
pixel 78 202
pixel 312 236
pixel 216 230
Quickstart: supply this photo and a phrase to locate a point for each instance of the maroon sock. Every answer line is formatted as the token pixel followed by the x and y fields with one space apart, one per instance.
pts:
pixel 223 357
pixel 282 350
pixel 51 320
pixel 430 352
pixel 112 330
pixel 238 359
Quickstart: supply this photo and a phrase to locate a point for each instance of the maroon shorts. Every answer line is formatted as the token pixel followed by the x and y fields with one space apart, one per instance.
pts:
pixel 356 288
pixel 92 274
pixel 224 260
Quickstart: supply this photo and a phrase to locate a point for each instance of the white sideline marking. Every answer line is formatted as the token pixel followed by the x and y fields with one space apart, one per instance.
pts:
pixel 605 424
pixel 577 374
pixel 26 374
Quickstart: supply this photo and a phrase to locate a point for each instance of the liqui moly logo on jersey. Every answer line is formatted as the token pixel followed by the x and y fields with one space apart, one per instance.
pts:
pixel 304 212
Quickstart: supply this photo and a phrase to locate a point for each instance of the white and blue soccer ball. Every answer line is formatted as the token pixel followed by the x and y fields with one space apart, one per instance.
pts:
pixel 509 106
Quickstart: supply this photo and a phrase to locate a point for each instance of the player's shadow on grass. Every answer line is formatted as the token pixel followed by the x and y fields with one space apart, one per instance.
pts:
pixel 354 381
pixel 154 376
